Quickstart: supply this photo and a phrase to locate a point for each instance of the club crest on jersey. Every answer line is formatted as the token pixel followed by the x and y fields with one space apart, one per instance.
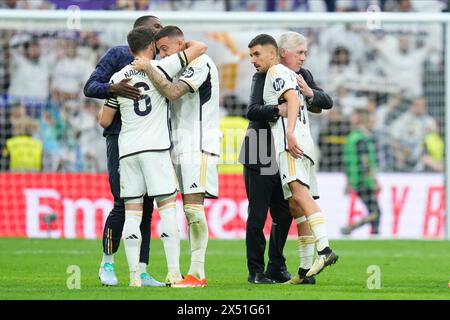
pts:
pixel 189 72
pixel 278 84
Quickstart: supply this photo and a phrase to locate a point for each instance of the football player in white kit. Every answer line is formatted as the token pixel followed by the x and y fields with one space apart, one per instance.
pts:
pixel 144 157
pixel 293 145
pixel 196 136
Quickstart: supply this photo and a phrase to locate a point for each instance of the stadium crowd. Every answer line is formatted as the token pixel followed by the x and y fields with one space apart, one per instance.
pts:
pixel 395 72
pixel 234 5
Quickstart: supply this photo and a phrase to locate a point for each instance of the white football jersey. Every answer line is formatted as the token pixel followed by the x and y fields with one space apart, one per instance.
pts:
pixel 195 116
pixel 279 80
pixel 145 121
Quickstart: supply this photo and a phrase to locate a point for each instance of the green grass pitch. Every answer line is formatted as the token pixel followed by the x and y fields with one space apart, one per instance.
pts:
pixel 37 269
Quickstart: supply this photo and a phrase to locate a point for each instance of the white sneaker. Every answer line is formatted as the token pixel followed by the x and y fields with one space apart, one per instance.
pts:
pixel 322 261
pixel 173 278
pixel 107 275
pixel 135 279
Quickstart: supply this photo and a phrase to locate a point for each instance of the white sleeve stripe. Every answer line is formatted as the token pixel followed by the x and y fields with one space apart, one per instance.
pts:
pixel 113 103
pixel 193 88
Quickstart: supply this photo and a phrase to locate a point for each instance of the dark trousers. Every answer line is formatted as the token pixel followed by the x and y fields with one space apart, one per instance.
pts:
pixel 369 198
pixel 112 231
pixel 264 192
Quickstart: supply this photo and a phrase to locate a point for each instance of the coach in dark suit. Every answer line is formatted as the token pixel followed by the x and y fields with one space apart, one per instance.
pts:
pixel 262 181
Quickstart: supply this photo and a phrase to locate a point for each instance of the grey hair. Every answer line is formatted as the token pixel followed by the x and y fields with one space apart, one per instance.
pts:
pixel 291 39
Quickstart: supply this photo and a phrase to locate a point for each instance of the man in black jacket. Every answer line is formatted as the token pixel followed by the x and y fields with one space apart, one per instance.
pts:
pixel 262 181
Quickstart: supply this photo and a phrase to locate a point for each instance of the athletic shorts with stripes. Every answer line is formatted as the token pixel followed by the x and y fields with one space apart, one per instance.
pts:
pixel 301 170
pixel 147 172
pixel 197 173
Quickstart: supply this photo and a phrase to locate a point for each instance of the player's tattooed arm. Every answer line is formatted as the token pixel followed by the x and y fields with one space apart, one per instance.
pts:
pixel 171 91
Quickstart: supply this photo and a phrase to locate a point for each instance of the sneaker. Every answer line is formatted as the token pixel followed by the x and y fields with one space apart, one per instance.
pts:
pixel 260 278
pixel 190 282
pixel 173 278
pixel 279 277
pixel 322 261
pixel 148 281
pixel 135 280
pixel 346 230
pixel 107 275
pixel 297 279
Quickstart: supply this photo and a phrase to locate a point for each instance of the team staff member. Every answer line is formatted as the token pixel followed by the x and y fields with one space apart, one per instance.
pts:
pixel 98 86
pixel 262 180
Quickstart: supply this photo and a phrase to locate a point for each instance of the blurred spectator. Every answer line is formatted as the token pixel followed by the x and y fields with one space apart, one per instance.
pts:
pixel 332 139
pixel 233 126
pixel 17 113
pixel 69 74
pixel 124 5
pixel 141 5
pixel 206 5
pixel 89 137
pixel 51 133
pixel 353 5
pixel 24 151
pixel 90 49
pixel 10 4
pixel 290 5
pixel 247 5
pixel 233 132
pixel 5 134
pixel 433 157
pixel 85 4
pixel 385 114
pixel 5 36
pixel 408 134
pixel 360 169
pixel 26 4
pixel 30 72
pixel 399 6
pixel 402 64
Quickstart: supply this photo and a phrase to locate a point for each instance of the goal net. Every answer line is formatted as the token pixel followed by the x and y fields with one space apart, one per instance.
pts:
pixel 392 69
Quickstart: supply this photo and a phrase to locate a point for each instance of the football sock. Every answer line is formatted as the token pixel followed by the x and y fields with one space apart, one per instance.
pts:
pixel 107 258
pixel 198 238
pixel 306 245
pixel 170 237
pixel 318 228
pixel 132 238
pixel 142 267
pixel 306 249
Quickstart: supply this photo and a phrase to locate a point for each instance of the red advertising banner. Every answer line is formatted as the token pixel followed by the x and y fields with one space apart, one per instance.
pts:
pixel 76 206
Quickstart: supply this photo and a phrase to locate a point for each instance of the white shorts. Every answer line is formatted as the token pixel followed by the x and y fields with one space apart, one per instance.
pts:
pixel 147 172
pixel 301 170
pixel 197 173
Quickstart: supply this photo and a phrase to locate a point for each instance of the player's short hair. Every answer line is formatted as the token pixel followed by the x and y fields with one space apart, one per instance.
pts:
pixel 263 39
pixel 169 31
pixel 142 21
pixel 139 38
pixel 290 40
